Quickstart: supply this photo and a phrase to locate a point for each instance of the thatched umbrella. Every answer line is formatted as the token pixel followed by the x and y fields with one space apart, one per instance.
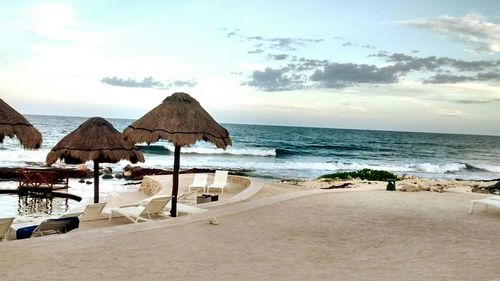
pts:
pixel 181 120
pixel 94 140
pixel 12 123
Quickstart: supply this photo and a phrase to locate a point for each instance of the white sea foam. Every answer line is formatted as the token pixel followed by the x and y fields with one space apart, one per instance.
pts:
pixel 439 168
pixel 230 150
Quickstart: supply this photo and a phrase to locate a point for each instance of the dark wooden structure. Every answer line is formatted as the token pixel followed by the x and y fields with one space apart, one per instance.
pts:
pixel 42 179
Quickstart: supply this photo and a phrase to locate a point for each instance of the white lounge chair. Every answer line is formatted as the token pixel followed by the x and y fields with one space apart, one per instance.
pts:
pixel 51 226
pixel 188 197
pixel 91 211
pixel 199 181
pixel 490 201
pixel 220 181
pixel 142 213
pixel 5 224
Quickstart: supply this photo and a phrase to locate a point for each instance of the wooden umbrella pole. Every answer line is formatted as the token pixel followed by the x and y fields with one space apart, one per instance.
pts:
pixel 175 181
pixel 96 181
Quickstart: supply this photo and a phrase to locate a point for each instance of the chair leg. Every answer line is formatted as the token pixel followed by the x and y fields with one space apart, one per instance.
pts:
pixel 473 203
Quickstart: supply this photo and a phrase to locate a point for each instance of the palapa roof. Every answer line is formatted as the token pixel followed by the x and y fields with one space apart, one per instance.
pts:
pixel 94 140
pixel 12 123
pixel 179 119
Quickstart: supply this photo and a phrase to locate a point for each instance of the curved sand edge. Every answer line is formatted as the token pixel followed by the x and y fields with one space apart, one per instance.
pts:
pixel 329 235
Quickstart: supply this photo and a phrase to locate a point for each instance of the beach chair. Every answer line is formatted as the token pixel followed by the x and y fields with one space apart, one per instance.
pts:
pixel 5 224
pixel 53 226
pixel 91 211
pixel 220 181
pixel 142 213
pixel 199 181
pixel 188 197
pixel 490 201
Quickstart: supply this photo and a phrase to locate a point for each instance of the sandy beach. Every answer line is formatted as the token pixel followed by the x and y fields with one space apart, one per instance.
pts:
pixel 283 232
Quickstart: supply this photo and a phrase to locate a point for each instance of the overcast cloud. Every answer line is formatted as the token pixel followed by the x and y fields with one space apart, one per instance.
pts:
pixel 147 82
pixel 472 29
pixel 300 73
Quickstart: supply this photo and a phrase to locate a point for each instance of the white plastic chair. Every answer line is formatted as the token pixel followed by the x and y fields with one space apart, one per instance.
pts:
pixel 220 181
pixel 491 201
pixel 199 181
pixel 188 197
pixel 91 211
pixel 139 213
pixel 5 224
pixel 50 226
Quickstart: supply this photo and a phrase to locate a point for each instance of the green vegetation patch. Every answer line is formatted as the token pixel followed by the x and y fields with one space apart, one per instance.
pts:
pixel 365 174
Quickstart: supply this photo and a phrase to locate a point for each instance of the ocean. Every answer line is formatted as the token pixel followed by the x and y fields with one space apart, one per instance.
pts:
pixel 277 152
pixel 295 152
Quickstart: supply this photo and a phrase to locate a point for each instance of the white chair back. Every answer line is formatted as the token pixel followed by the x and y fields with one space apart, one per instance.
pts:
pixel 5 224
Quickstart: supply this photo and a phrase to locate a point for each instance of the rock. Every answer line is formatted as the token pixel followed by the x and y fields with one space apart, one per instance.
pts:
pixel 137 173
pixel 438 188
pixel 407 177
pixel 107 176
pixel 408 188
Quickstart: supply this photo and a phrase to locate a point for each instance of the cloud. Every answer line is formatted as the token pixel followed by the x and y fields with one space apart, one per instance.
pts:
pixel 341 75
pixel 147 82
pixel 277 57
pixel 182 83
pixel 477 101
pixel 256 51
pixel 284 44
pixel 303 73
pixel 434 63
pixel 276 80
pixel 449 78
pixel 472 30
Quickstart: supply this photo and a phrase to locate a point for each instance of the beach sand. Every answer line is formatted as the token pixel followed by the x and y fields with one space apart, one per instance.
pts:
pixel 362 233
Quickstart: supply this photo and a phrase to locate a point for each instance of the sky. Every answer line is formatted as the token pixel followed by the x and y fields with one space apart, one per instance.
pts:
pixel 431 66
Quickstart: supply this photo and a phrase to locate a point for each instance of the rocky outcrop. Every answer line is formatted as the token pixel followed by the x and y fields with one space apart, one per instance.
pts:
pixel 492 189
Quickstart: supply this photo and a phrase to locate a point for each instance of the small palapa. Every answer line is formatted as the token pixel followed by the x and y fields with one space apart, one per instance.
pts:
pixel 94 140
pixel 181 120
pixel 12 123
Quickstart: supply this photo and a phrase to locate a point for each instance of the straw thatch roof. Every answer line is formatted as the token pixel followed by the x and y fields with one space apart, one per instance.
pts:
pixel 12 123
pixel 95 140
pixel 181 120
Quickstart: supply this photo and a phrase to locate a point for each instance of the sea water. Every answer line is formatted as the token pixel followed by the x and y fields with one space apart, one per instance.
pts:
pixel 280 152
pixel 295 152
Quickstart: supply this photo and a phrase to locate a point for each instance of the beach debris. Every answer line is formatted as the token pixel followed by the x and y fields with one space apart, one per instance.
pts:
pixel 344 185
pixel 213 221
